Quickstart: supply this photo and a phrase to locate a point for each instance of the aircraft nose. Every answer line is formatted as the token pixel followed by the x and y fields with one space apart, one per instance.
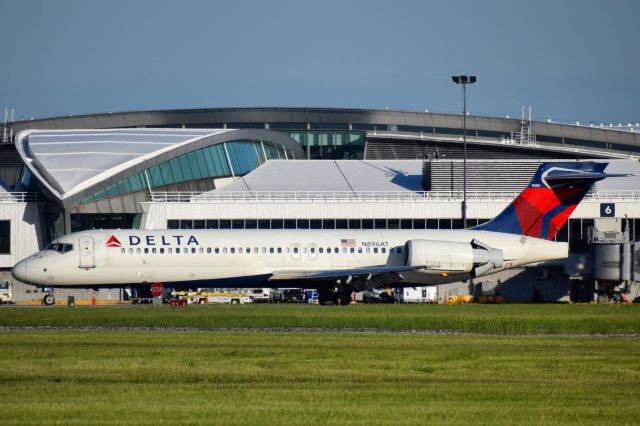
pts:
pixel 19 271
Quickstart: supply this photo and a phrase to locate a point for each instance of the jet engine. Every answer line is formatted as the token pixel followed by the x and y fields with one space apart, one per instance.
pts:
pixel 474 257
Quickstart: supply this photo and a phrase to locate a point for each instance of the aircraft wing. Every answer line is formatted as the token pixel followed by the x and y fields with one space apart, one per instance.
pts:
pixel 338 273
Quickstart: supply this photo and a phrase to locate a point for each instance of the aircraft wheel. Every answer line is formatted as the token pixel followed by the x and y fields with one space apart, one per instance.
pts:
pixel 201 301
pixel 344 298
pixel 326 297
pixel 49 300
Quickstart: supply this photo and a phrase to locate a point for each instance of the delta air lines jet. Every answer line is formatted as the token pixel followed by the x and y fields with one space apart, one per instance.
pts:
pixel 336 262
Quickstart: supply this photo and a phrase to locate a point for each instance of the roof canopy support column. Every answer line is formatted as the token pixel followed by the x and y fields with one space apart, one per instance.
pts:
pixel 226 152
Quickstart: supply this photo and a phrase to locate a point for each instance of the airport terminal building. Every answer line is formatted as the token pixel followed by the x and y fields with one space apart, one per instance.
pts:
pixel 316 168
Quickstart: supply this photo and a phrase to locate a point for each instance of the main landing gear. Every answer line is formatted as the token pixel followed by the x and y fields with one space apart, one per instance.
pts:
pixel 335 296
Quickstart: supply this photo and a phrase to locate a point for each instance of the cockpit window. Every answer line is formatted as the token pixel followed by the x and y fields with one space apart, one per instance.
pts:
pixel 60 247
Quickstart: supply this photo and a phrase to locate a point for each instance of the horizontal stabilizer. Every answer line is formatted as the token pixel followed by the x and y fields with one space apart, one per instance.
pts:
pixel 562 175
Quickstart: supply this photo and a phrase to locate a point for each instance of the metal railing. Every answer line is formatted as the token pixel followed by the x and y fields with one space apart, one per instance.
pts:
pixel 18 197
pixel 359 196
pixel 521 138
pixel 622 195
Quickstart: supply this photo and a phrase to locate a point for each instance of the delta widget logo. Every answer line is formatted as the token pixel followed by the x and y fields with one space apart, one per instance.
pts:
pixel 113 242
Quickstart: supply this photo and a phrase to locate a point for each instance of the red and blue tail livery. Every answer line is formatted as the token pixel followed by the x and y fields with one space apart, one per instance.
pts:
pixel 545 205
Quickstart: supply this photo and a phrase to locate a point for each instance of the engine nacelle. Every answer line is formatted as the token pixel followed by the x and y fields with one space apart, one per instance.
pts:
pixel 474 258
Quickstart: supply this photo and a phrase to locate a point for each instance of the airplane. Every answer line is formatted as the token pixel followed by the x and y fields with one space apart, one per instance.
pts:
pixel 336 262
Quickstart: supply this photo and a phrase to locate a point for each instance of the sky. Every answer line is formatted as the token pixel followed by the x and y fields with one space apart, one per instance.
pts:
pixel 571 60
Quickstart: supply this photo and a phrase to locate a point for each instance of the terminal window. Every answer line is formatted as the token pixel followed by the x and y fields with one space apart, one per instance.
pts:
pixel 5 237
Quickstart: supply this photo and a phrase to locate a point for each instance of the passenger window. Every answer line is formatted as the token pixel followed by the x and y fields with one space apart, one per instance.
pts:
pixel 161 250
pixel 146 250
pixel 255 250
pixel 169 250
pixel 304 250
pixel 279 250
pixel 344 250
pixel 232 250
pixel 295 250
pixel 239 250
pixel 286 250
pixel 352 250
pixel 375 250
pixel 122 250
pixel 264 249
pixel 384 250
pixel 130 251
pixel 153 250
pixel 271 250
pixel 217 250
pixel 368 250
pixel 320 250
pixel 224 250
pixel 193 250
pixel 312 250
pixel 208 250
pixel 138 251
pixel 359 250
pixel 201 250
pixel 336 250
pixel 247 250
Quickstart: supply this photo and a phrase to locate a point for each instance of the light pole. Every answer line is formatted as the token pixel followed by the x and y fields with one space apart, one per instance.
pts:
pixel 464 80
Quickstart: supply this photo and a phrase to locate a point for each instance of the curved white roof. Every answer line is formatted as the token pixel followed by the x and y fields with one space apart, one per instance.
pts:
pixel 69 162
pixel 331 175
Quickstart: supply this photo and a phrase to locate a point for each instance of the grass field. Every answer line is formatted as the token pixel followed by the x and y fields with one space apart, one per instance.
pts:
pixel 488 319
pixel 521 370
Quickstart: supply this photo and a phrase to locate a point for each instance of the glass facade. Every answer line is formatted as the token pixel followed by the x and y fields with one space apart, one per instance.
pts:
pixel 82 221
pixel 208 162
pixel 331 145
pixel 331 141
pixel 245 157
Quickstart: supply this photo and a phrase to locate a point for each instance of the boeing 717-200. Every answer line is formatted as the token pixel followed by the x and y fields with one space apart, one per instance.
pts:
pixel 336 262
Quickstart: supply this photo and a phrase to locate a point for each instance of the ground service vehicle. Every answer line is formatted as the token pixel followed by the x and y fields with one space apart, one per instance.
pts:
pixel 6 298
pixel 260 295
pixel 418 295
pixel 207 297
pixel 378 295
pixel 288 295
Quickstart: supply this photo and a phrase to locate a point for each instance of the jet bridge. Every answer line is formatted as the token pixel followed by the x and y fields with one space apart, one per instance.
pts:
pixel 615 259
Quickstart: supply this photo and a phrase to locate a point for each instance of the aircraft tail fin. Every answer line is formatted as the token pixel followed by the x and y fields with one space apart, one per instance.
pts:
pixel 545 205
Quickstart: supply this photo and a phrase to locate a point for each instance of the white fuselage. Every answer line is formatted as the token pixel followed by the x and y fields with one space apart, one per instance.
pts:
pixel 249 258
